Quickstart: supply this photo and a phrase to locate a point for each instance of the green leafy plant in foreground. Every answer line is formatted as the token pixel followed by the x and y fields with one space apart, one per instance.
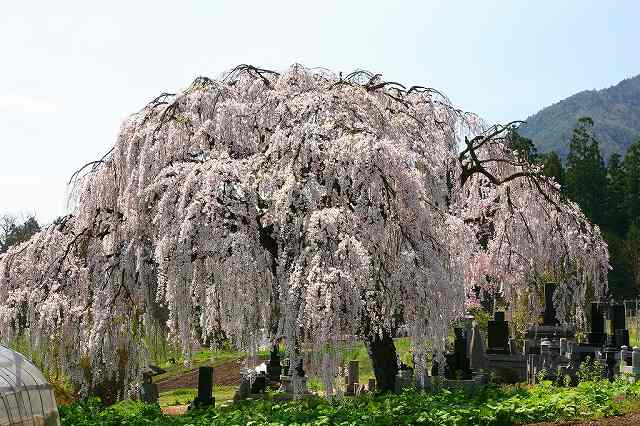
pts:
pixel 492 406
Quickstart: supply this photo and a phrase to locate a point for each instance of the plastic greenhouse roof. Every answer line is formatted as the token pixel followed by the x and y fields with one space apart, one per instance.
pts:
pixel 25 396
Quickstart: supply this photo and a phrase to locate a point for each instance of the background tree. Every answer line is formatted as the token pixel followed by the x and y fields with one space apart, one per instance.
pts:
pixel 523 146
pixel 13 231
pixel 631 166
pixel 632 254
pixel 616 218
pixel 552 167
pixel 621 285
pixel 586 176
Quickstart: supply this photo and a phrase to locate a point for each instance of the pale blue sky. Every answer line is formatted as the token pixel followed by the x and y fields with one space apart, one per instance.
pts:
pixel 70 72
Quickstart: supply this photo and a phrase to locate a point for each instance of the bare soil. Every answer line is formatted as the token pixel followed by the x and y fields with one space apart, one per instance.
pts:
pixel 227 373
pixel 175 410
pixel 626 420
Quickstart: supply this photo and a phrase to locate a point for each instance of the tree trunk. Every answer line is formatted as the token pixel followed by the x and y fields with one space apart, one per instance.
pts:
pixel 382 352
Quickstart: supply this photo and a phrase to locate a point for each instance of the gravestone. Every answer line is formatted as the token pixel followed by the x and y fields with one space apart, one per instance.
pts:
pixel 617 325
pixel 467 322
pixel 563 346
pixel 597 336
pixel 435 365
pixel 478 359
pixel 259 384
pixel 291 381
pixel 546 355
pixel 244 390
pixel 549 315
pixel 630 364
pixel 547 361
pixel 148 392
pixel 573 356
pixel 300 370
pixel 458 361
pixel 617 318
pixel 622 337
pixel 625 355
pixel 352 377
pixel 274 369
pixel 404 377
pixel 205 388
pixel 635 362
pixel 498 334
pixel 597 318
pixel 610 362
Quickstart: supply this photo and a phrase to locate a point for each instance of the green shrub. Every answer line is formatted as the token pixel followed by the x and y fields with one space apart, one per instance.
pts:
pixel 591 370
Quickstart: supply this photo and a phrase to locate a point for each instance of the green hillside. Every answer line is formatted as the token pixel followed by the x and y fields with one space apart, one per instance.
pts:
pixel 615 112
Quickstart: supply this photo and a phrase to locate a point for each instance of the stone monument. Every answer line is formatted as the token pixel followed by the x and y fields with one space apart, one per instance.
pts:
pixel 478 360
pixel 244 390
pixel 631 371
pixel 458 362
pixel 205 388
pixel 148 392
pixel 549 314
pixel 353 378
pixel 498 334
pixel 617 325
pixel 597 336
pixel 259 384
pixel 404 377
pixel 290 379
pixel 274 369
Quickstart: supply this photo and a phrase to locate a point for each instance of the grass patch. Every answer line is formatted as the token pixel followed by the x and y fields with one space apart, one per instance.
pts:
pixel 184 396
pixel 359 353
pixel 180 396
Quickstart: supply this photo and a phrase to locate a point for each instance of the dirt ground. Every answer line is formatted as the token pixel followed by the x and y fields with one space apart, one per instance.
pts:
pixel 223 374
pixel 175 410
pixel 627 420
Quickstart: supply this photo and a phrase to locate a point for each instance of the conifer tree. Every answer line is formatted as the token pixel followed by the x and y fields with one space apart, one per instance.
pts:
pixel 631 167
pixel 616 217
pixel 552 167
pixel 523 146
pixel 586 176
pixel 632 253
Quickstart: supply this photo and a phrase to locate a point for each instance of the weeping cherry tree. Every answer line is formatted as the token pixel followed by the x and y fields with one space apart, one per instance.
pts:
pixel 321 208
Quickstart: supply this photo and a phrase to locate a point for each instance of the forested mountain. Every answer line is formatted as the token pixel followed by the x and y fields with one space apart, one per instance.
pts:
pixel 615 112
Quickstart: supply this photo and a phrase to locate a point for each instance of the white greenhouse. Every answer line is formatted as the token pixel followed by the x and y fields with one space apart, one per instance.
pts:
pixel 26 399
